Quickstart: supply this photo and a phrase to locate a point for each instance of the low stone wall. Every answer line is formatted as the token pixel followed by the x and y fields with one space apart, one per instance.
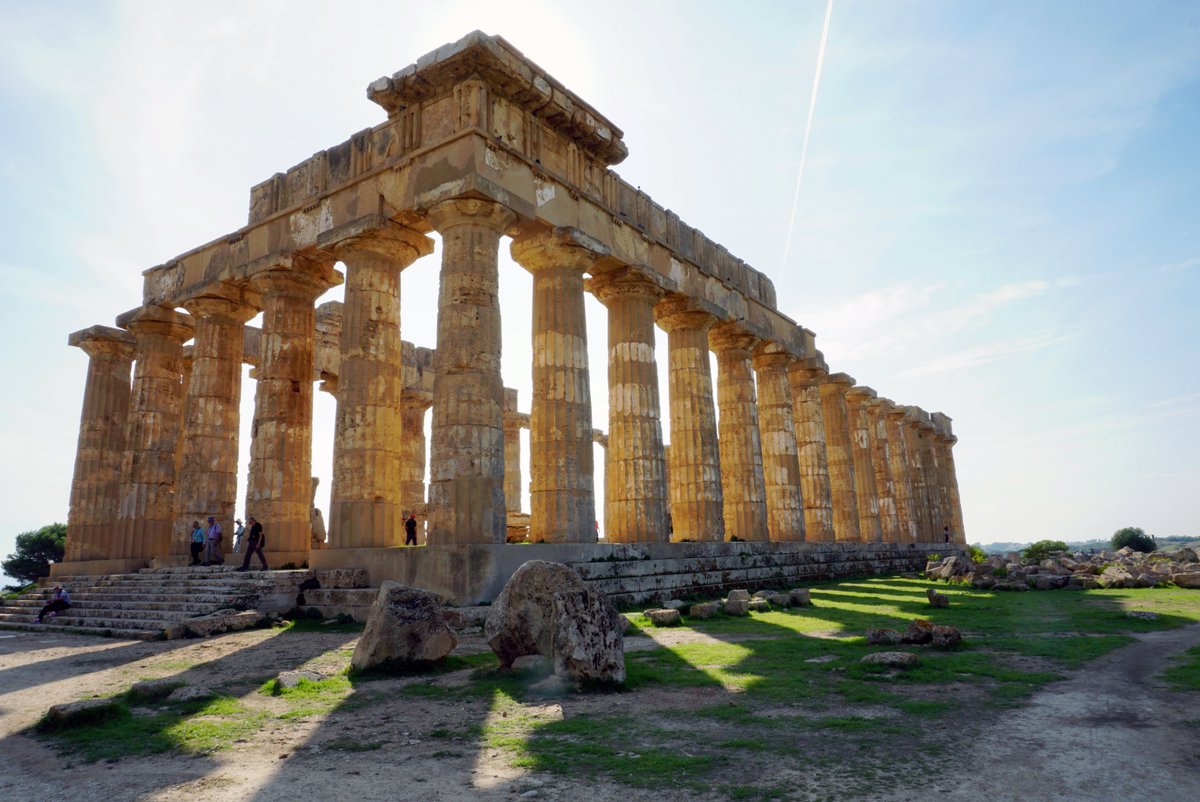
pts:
pixel 631 573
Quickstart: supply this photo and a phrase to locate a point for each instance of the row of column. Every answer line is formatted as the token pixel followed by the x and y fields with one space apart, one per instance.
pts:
pixel 799 454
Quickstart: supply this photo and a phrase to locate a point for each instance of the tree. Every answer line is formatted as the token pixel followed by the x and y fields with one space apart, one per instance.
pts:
pixel 1036 552
pixel 35 551
pixel 1135 538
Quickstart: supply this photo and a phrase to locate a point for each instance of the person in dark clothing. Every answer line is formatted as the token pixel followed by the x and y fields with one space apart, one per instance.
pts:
pixel 946 533
pixel 59 600
pixel 197 544
pixel 410 530
pixel 254 545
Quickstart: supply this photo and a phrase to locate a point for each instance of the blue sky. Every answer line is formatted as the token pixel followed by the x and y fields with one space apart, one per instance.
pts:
pixel 997 218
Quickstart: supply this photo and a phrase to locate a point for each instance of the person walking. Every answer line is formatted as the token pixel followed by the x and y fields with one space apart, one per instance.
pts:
pixel 255 544
pixel 59 600
pixel 212 550
pixel 197 544
pixel 410 530
pixel 237 534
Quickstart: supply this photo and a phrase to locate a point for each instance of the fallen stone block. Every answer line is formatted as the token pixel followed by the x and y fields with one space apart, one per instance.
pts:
pixel 191 693
pixel 800 597
pixel 76 714
pixel 892 659
pixel 738 595
pixel 150 690
pixel 704 610
pixel 918 631
pixel 663 617
pixel 405 628
pixel 781 600
pixel 291 679
pixel 588 642
pixel 877 636
pixel 521 620
pixel 937 599
pixel 1188 580
pixel 945 637
pixel 736 607
pixel 760 605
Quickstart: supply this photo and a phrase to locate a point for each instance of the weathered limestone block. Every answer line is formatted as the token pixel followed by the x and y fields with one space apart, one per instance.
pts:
pixel 704 610
pixel 781 600
pixel 738 595
pixel 561 498
pixel 664 617
pixel 405 627
pixel 75 714
pixel 945 637
pixel 347 578
pixel 697 503
pixel 521 620
pixel 901 660
pixel 760 605
pixel 1186 580
pixel 466 462
pixel 918 631
pixel 635 483
pixel 805 379
pixel 937 599
pixel 800 597
pixel 589 643
pixel 740 444
pixel 840 449
pixel 862 441
pixel 781 466
pixel 736 607
pixel 881 636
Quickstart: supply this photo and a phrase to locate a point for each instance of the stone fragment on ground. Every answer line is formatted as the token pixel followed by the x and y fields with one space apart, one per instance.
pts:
pixel 918 631
pixel 588 642
pixel 149 690
pixel 800 597
pixel 74 714
pixel 937 599
pixel 738 595
pixel 877 636
pixel 704 609
pixel 191 693
pixel 674 604
pixel 781 600
pixel 520 620
pixel 405 628
pixel 1188 580
pixel 291 679
pixel 736 606
pixel 945 637
pixel 892 659
pixel 760 605
pixel 663 617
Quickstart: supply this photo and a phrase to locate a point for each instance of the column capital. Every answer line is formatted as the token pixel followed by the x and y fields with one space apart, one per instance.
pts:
pixel 301 278
pixel 475 211
pixel 680 312
pixel 103 341
pixel 860 397
pixel 223 299
pixel 624 282
pixel 771 357
pixel 844 380
pixel 560 246
pixel 377 237
pixel 729 336
pixel 808 372
pixel 161 320
pixel 416 399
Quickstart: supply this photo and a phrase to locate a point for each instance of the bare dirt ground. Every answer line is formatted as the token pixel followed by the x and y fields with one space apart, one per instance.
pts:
pixel 1110 732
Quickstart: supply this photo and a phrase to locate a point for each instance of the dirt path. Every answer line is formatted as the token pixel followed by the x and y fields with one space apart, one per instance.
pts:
pixel 1108 733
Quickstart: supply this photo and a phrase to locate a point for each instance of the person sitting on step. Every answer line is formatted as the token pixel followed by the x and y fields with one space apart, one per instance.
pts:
pixel 59 600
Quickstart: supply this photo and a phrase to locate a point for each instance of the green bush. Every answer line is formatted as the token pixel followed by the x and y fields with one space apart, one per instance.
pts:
pixel 1000 572
pixel 1036 552
pixel 978 555
pixel 1135 538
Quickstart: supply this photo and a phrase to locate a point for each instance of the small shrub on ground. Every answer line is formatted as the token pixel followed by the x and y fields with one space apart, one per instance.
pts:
pixel 978 555
pixel 1036 552
pixel 1135 538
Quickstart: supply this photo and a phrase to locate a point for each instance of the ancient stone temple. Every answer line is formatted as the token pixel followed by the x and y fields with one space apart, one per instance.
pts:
pixel 772 452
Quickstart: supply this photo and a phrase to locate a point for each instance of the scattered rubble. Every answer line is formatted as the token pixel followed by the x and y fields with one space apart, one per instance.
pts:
pixel 1125 568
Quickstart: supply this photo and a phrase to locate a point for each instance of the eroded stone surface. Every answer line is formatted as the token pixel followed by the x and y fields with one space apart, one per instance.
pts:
pixel 405 628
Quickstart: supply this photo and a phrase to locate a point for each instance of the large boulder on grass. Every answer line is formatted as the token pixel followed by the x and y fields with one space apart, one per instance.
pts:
pixel 522 619
pixel 589 643
pixel 1189 580
pixel 76 714
pixel 404 628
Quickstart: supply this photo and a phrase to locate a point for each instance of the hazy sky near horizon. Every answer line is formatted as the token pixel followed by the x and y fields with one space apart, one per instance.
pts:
pixel 998 217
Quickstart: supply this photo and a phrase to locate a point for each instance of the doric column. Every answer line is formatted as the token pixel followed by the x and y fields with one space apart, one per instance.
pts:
pixel 185 371
pixel 96 486
pixel 929 469
pixel 148 475
pixel 466 491
pixel 412 450
pixel 951 500
pixel 916 474
pixel 562 496
pixel 840 449
pixel 512 452
pixel 781 465
pixel 697 505
pixel 898 469
pixel 280 488
pixel 635 483
pixel 805 377
pixel 889 523
pixel 366 503
pixel 208 476
pixel 862 439
pixel 742 482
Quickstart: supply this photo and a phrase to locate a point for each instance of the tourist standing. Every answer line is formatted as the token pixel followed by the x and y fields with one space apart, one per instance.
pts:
pixel 59 600
pixel 197 544
pixel 410 530
pixel 254 545
pixel 946 533
pixel 237 534
pixel 212 552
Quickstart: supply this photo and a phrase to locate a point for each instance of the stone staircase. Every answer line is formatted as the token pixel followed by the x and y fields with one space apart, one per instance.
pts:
pixel 160 603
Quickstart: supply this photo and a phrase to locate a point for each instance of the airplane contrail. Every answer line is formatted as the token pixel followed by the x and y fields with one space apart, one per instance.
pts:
pixel 812 104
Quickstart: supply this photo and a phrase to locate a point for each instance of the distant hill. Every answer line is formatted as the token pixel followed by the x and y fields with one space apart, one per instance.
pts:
pixel 1169 543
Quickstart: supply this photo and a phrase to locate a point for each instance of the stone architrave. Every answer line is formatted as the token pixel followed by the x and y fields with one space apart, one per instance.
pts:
pixel 148 470
pixel 512 452
pixel 840 449
pixel 562 502
pixel 889 522
pixel 96 486
pixel 742 483
pixel 635 476
pixel 413 451
pixel 898 467
pixel 916 473
pixel 697 503
pixel 208 476
pixel 466 490
pixel 781 465
pixel 366 505
pixel 805 378
pixel 279 492
pixel 862 438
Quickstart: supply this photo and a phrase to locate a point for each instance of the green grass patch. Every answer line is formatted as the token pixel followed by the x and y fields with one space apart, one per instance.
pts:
pixel 1185 674
pixel 341 624
pixel 1071 652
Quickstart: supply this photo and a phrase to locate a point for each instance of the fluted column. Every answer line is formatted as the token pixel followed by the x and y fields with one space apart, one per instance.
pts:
pixel 635 483
pixel 950 496
pixel 512 452
pixel 148 470
pixel 929 468
pixel 862 439
pixel 697 504
pixel 280 488
pixel 916 474
pixel 466 491
pixel 781 465
pixel 742 482
pixel 899 474
pixel 208 476
pixel 412 451
pixel 562 496
pixel 96 486
pixel 889 522
pixel 805 378
pixel 366 503
pixel 840 449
